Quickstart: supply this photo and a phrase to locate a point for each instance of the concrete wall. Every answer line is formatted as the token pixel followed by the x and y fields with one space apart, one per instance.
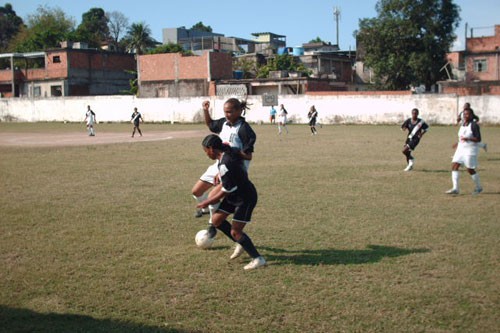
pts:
pixel 333 109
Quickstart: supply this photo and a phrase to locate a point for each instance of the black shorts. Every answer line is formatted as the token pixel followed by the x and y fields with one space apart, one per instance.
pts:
pixel 242 211
pixel 413 142
pixel 312 122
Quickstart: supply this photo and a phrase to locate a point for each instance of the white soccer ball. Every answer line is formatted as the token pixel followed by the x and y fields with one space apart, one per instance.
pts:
pixel 203 240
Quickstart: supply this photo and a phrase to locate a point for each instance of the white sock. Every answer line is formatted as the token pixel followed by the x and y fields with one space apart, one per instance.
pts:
pixel 212 209
pixel 201 198
pixel 475 178
pixel 455 176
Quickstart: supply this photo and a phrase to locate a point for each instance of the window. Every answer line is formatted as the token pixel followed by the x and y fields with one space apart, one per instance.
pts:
pixel 56 59
pixel 37 91
pixel 56 91
pixel 480 65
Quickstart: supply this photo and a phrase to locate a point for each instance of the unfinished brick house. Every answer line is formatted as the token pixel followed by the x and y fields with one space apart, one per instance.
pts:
pixel 476 70
pixel 70 71
pixel 175 75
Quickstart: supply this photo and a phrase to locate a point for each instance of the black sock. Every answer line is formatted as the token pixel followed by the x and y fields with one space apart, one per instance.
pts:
pixel 225 227
pixel 212 231
pixel 247 244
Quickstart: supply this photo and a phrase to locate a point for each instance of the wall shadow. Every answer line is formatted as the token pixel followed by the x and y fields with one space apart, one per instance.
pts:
pixel 373 253
pixel 24 320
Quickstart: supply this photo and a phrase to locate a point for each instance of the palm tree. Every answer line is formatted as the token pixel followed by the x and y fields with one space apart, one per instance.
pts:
pixel 139 38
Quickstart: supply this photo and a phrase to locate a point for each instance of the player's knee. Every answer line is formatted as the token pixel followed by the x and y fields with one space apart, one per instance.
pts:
pixel 236 233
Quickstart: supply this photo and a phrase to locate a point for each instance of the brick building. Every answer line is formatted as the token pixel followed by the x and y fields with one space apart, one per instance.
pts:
pixel 176 75
pixel 65 72
pixel 476 70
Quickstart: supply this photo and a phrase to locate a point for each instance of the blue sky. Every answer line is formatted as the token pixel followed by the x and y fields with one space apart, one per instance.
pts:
pixel 299 20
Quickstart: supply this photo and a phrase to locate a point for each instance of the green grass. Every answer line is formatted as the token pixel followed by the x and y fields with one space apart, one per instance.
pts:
pixel 101 238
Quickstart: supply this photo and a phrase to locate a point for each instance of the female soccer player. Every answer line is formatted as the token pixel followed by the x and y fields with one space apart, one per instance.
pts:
pixel 233 131
pixel 136 119
pixel 91 120
pixel 313 115
pixel 466 153
pixel 416 129
pixel 238 195
pixel 282 119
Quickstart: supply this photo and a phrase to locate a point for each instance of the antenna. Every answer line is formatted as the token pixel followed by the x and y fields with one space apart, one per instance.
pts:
pixel 336 17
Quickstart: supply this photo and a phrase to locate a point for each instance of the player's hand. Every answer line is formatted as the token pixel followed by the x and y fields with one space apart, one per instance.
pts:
pixel 201 205
pixel 206 105
pixel 216 180
pixel 455 145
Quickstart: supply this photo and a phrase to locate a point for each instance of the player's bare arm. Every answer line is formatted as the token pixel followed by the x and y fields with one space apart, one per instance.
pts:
pixel 206 112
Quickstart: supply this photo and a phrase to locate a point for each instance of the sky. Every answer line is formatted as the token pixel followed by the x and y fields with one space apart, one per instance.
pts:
pixel 299 20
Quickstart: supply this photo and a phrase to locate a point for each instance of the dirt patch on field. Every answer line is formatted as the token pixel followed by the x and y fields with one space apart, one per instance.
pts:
pixel 81 139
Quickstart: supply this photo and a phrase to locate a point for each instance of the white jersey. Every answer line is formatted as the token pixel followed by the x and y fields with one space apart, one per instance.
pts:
pixel 90 117
pixel 229 135
pixel 466 147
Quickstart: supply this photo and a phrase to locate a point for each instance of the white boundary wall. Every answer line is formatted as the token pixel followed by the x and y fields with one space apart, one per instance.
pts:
pixel 332 109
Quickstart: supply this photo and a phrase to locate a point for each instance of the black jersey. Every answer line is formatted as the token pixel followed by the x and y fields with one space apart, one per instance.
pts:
pixel 418 127
pixel 239 136
pixel 235 182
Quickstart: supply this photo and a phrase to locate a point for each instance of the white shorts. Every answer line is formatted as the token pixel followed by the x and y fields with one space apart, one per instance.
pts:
pixel 469 161
pixel 210 174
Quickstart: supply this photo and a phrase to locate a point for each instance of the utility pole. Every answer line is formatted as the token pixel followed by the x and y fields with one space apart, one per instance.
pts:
pixel 336 17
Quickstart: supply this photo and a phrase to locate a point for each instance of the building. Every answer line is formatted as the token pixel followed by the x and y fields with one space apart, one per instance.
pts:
pixel 268 43
pixel 198 41
pixel 176 75
pixel 475 70
pixel 72 70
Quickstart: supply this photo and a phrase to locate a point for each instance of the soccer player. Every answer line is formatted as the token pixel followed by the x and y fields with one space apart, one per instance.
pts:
pixel 466 153
pixel 313 115
pixel 272 115
pixel 238 195
pixel 90 119
pixel 474 118
pixel 282 119
pixel 416 129
pixel 136 119
pixel 233 131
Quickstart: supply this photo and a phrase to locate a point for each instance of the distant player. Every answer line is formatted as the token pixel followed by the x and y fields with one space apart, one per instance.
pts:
pixel 233 131
pixel 313 116
pixel 416 129
pixel 282 119
pixel 90 118
pixel 136 119
pixel 466 153
pixel 238 195
pixel 272 115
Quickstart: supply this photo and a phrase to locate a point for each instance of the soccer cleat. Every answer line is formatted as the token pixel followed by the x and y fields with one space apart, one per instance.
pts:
pixel 408 168
pixel 477 190
pixel 212 231
pixel 452 191
pixel 255 263
pixel 238 251
pixel 198 213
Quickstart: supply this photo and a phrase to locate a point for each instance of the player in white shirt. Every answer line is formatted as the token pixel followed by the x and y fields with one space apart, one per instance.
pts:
pixel 90 119
pixel 466 153
pixel 282 119
pixel 233 131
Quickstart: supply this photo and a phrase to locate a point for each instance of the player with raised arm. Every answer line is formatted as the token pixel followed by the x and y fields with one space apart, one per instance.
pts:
pixel 416 129
pixel 233 131
pixel 238 195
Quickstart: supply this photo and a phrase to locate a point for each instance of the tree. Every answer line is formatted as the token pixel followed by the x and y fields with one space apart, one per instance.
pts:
pixel 10 25
pixel 284 62
pixel 45 29
pixel 408 41
pixel 138 38
pixel 117 24
pixel 93 29
pixel 200 26
pixel 316 40
pixel 170 48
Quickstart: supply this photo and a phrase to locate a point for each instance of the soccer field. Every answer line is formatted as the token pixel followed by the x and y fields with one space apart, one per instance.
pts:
pixel 100 237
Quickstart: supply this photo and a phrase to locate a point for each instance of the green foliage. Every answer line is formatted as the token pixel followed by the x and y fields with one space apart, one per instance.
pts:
pixel 284 62
pixel 138 38
pixel 93 29
pixel 170 48
pixel 248 66
pixel 10 25
pixel 45 29
pixel 316 40
pixel 408 41
pixel 200 26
